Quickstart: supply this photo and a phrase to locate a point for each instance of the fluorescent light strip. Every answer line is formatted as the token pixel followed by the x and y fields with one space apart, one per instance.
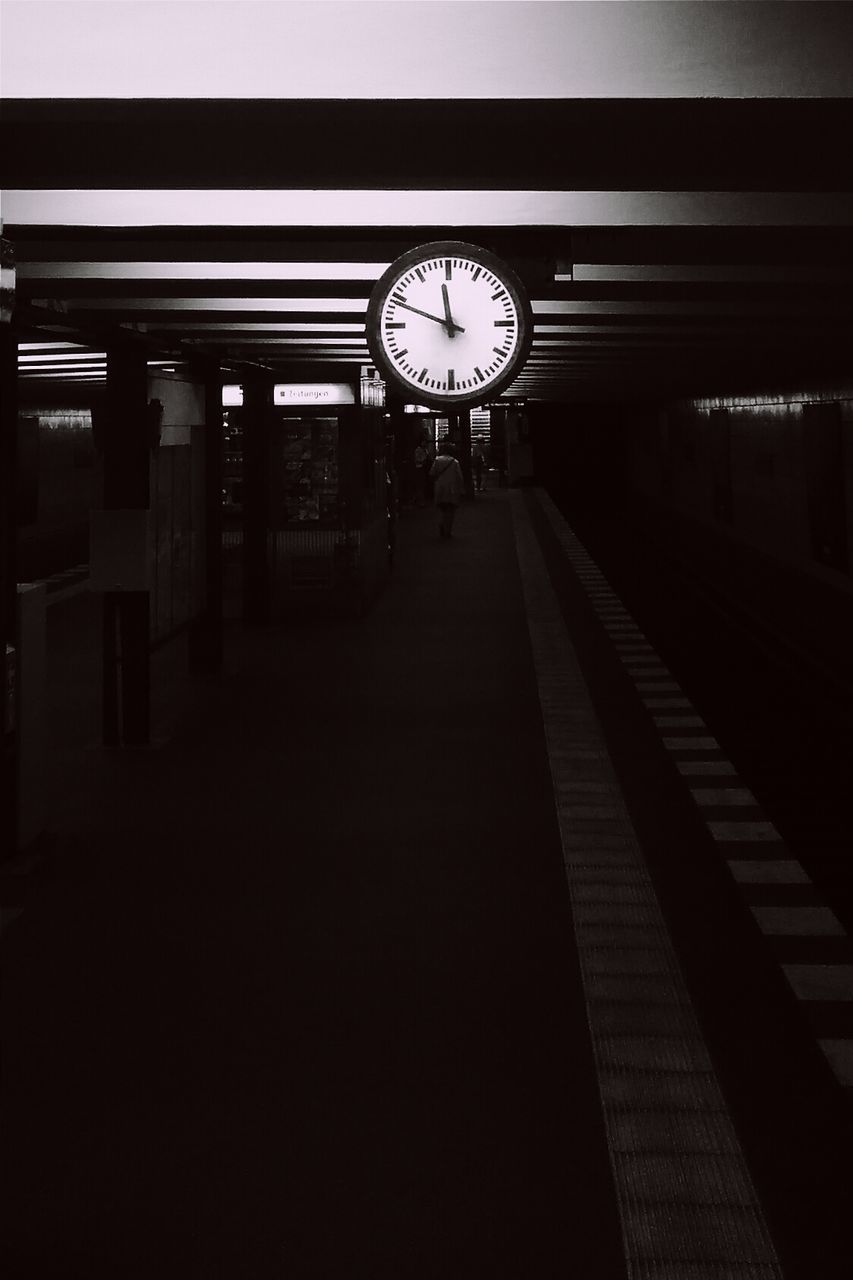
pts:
pixel 379 208
pixel 332 358
pixel 295 326
pixel 326 340
pixel 78 367
pixel 643 307
pixel 78 375
pixel 201 270
pixel 623 342
pixel 237 339
pixel 51 346
pixel 702 274
pixel 63 355
pixel 356 305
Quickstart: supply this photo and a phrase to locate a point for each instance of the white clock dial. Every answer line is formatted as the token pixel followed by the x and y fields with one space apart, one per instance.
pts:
pixel 449 326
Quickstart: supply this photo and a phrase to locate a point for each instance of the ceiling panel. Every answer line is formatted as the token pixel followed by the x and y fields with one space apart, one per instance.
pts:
pixel 663 246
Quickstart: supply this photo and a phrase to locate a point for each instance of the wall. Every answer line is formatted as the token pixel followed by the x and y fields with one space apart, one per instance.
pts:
pixel 57 483
pixel 774 471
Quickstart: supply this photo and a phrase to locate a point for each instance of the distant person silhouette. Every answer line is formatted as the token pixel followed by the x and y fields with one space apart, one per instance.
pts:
pixel 421 468
pixel 449 486
pixel 478 459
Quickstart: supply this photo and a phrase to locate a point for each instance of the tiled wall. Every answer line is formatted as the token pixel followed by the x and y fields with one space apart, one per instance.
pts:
pixel 741 464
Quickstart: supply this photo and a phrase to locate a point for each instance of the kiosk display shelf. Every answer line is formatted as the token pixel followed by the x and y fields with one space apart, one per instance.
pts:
pixel 304 472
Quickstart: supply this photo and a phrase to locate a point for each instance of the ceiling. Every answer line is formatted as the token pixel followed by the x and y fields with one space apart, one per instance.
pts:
pixel 669 246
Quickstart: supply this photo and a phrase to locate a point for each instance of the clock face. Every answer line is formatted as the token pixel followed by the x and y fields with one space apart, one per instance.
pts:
pixel 450 323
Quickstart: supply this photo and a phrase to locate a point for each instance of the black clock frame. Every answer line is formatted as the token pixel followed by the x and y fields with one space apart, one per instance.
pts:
pixel 448 249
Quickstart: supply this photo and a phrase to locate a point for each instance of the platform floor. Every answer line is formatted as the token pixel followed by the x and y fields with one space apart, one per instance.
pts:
pixel 360 970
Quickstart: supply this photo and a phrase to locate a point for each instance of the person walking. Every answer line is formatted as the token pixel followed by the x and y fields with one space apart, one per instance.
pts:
pixel 478 459
pixel 421 468
pixel 449 486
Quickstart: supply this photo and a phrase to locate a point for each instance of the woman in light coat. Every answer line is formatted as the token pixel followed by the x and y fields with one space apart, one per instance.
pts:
pixel 449 487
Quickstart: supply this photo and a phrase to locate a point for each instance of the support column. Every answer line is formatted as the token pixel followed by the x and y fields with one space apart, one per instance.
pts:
pixel 120 551
pixel 399 433
pixel 519 454
pixel 8 587
pixel 257 405
pixel 459 425
pixel 205 646
pixel 497 442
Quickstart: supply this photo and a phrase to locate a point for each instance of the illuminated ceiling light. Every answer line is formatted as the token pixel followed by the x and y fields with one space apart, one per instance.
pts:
pixel 52 365
pixel 322 353
pixel 237 336
pixel 294 326
pixel 201 270
pixel 703 273
pixel 50 346
pixel 71 357
pixel 323 340
pixel 356 305
pixel 77 375
pixel 234 207
pixel 644 307
pixel 650 326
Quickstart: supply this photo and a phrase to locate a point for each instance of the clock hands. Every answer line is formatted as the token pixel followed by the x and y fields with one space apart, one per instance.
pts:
pixel 449 324
pixel 448 318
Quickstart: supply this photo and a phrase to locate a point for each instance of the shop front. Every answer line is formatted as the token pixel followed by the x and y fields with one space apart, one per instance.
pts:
pixel 326 500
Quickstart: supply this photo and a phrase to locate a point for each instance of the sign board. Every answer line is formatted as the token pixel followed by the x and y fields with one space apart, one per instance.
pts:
pixel 307 393
pixel 232 395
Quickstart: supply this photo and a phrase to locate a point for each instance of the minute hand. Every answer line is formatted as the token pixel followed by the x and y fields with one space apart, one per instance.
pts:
pixel 438 319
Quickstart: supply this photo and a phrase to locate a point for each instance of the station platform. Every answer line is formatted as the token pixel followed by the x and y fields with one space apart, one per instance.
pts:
pixel 383 961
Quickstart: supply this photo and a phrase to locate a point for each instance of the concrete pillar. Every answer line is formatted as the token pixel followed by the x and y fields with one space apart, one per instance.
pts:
pixel 463 448
pixel 31 711
pixel 8 588
pixel 120 550
pixel 399 431
pixel 205 647
pixel 519 452
pixel 257 407
pixel 497 442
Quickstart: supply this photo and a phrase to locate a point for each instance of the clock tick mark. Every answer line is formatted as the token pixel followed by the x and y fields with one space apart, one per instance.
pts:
pixel 479 374
pixel 477 272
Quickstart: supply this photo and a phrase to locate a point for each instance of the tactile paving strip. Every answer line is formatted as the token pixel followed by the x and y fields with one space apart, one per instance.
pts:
pixel 686 1201
pixel 784 903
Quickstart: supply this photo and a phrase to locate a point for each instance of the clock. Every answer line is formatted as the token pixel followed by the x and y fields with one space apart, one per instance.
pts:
pixel 449 323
